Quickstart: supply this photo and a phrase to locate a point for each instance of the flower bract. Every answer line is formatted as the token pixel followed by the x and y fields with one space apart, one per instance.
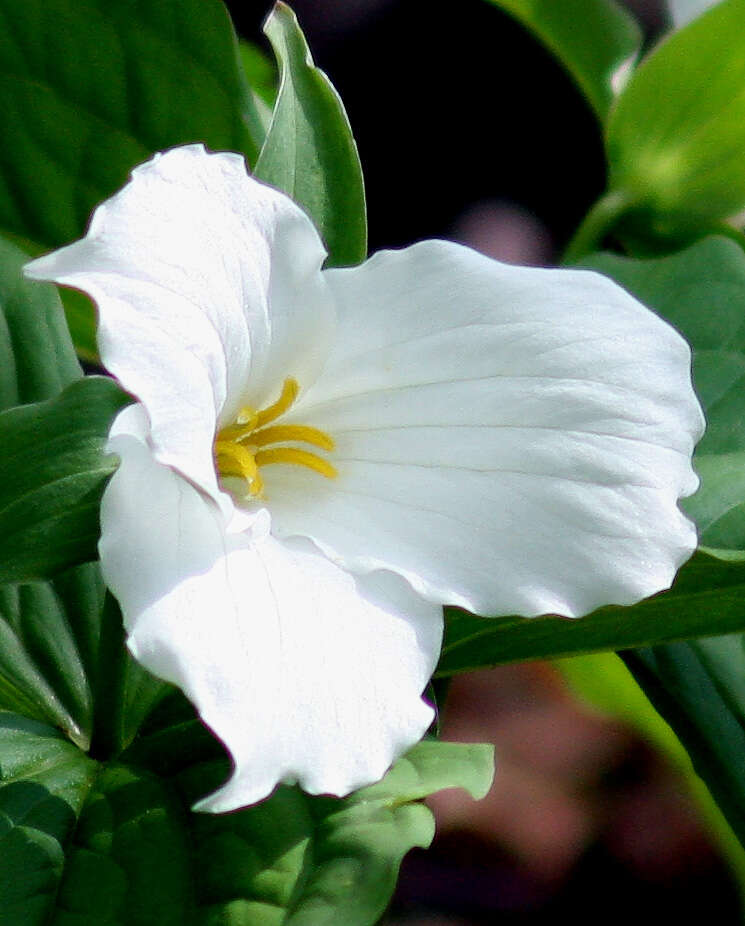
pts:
pixel 319 459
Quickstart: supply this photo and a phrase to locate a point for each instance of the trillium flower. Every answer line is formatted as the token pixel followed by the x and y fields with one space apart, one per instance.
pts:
pixel 318 460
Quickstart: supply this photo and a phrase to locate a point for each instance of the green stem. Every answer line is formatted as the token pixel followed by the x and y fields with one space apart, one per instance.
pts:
pixel 596 224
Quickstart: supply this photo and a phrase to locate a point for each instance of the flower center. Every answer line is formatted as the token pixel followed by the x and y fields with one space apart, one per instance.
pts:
pixel 242 447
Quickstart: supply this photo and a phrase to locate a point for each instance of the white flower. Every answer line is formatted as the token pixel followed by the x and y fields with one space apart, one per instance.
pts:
pixel 319 460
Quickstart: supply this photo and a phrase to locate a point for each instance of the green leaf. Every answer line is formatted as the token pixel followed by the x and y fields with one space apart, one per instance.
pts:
pixel 261 77
pixel 129 859
pixel 706 599
pixel 43 663
pixel 63 661
pixel 701 291
pixel 309 150
pixel 52 469
pixel 80 314
pixel 90 89
pixel 674 144
pixel 298 860
pixel 44 782
pixel 85 843
pixel 124 694
pixel 699 688
pixel 37 358
pixel 592 38
pixel 260 73
pixel 52 474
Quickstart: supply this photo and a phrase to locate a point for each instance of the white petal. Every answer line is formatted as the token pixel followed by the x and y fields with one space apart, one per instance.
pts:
pixel 194 267
pixel 303 676
pixel 508 439
pixel 683 11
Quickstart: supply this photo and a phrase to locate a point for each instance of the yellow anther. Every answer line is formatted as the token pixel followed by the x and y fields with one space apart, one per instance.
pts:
pixel 289 393
pixel 239 461
pixel 282 433
pixel 245 423
pixel 248 417
pixel 237 450
pixel 299 457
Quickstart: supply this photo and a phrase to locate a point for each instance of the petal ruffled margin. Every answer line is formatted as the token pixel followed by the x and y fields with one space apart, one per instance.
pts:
pixel 511 440
pixel 304 675
pixel 197 269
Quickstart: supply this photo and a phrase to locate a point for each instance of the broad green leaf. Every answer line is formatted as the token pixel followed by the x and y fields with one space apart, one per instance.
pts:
pixel 87 843
pixel 91 88
pixel 42 665
pixel 309 150
pixel 699 688
pixel 593 39
pixel 44 783
pixel 128 861
pixel 84 844
pixel 676 135
pixel 37 358
pixel 297 860
pixel 706 599
pixel 63 661
pixel 53 471
pixel 701 291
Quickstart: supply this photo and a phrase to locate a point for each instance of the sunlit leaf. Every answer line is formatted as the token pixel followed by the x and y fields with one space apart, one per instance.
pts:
pixel 297 860
pixel 675 137
pixel 309 150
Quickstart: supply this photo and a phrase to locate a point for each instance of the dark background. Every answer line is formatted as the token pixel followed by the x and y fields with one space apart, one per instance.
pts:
pixel 468 129
pixel 452 104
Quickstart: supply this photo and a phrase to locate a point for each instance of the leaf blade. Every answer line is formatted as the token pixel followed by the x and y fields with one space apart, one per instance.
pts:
pixel 44 782
pixel 674 149
pixel 309 151
pixel 52 475
pixel 705 600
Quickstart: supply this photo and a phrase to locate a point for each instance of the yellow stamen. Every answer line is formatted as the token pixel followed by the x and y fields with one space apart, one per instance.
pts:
pixel 299 457
pixel 240 462
pixel 237 446
pixel 245 423
pixel 282 433
pixel 290 390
